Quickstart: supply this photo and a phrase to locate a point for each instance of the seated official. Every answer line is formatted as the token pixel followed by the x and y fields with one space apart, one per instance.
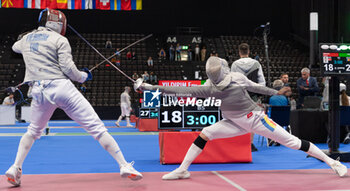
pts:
pixel 9 100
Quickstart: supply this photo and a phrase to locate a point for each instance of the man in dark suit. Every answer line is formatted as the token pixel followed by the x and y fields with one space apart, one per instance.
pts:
pixel 307 86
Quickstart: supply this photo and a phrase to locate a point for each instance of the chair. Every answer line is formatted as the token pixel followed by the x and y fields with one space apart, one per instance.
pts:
pixel 312 102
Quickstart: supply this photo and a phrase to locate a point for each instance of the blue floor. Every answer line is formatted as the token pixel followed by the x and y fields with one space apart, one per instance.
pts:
pixel 82 154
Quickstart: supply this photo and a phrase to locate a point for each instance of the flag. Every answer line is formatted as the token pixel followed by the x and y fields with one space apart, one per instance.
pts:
pixel 62 4
pixel 12 4
pixel 102 4
pixel 125 5
pixel 74 4
pixel 136 4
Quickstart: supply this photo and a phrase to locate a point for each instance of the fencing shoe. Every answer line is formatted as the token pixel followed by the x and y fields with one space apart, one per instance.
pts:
pixel 177 174
pixel 128 171
pixel 339 168
pixel 13 175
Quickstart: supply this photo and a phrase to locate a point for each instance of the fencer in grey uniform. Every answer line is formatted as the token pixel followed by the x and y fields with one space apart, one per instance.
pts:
pixel 50 67
pixel 240 113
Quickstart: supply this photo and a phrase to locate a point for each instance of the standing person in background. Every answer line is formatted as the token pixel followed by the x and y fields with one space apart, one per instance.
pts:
pixel 171 53
pixel 252 69
pixel 196 53
pixel 189 54
pixel 125 107
pixel 203 53
pixel 178 53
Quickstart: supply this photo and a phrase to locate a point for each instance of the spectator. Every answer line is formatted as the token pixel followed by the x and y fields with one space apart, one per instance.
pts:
pixel 150 61
pixel 114 60
pixel 284 78
pixel 307 86
pixel 278 100
pixel 171 53
pixel 153 78
pixel 178 53
pixel 162 54
pixel 196 53
pixel 248 66
pixel 118 62
pixel 344 100
pixel 229 57
pixel 134 56
pixel 9 100
pixel 117 54
pixel 253 70
pixel 203 53
pixel 108 44
pixel 189 54
pixel 128 55
pixel 145 76
pixel 135 76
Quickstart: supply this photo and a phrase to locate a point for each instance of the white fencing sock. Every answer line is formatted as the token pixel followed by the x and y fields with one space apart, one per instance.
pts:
pixel 191 154
pixel 110 145
pixel 317 153
pixel 24 147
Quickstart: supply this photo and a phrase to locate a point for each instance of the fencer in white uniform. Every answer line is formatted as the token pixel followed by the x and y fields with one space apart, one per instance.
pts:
pixel 125 107
pixel 49 66
pixel 240 115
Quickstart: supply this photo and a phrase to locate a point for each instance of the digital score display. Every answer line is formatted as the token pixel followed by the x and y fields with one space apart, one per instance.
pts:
pixel 335 59
pixel 148 113
pixel 187 117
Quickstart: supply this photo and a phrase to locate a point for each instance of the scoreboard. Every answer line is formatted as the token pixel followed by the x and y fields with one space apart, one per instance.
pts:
pixel 185 117
pixel 335 58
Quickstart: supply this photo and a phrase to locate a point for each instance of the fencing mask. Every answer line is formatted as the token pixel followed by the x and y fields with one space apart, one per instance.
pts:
pixel 53 19
pixel 217 71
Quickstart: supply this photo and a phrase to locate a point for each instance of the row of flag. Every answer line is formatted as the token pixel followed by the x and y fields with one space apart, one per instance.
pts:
pixel 74 4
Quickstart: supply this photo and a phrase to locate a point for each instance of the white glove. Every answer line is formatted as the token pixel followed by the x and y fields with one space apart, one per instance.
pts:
pixel 138 85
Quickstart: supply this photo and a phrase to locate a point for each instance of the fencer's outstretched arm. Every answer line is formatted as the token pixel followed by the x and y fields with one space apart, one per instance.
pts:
pixel 66 62
pixel 195 91
pixel 256 88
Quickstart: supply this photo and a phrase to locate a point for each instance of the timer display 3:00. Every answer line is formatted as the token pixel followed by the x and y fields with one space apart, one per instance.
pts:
pixel 187 119
pixel 200 120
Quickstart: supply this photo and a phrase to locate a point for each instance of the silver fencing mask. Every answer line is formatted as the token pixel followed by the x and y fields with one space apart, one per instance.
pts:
pixel 53 19
pixel 217 70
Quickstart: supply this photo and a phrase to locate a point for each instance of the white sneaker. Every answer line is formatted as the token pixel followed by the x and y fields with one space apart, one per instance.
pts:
pixel 117 124
pixel 177 174
pixel 13 175
pixel 128 171
pixel 129 125
pixel 339 168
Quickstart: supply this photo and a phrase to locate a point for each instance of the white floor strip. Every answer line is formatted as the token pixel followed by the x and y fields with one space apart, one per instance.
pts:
pixel 229 181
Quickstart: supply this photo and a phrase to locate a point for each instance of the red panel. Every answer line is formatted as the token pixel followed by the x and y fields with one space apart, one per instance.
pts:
pixel 147 124
pixel 174 145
